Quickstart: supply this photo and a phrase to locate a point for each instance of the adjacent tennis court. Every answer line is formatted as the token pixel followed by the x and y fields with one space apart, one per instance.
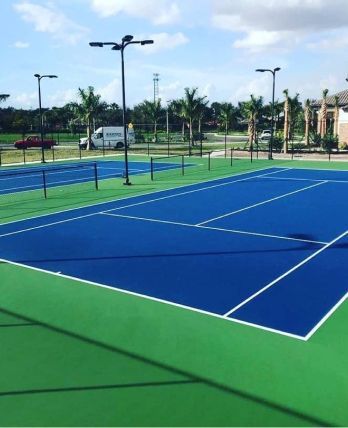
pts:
pixel 14 180
pixel 265 248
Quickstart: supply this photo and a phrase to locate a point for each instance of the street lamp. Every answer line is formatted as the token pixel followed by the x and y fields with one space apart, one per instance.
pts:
pixel 50 76
pixel 126 40
pixel 262 70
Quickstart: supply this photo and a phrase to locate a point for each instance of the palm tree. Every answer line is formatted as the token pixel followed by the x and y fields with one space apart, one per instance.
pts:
pixel 153 110
pixel 286 120
pixel 251 110
pixel 176 106
pixel 227 113
pixel 190 107
pixel 295 108
pixel 87 109
pixel 201 109
pixel 336 115
pixel 308 116
pixel 323 113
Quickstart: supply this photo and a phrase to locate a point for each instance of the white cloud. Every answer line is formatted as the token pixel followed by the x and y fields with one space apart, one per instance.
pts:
pixel 159 12
pixel 48 19
pixel 335 40
pixel 162 42
pixel 260 86
pixel 111 93
pixel 21 45
pixel 275 23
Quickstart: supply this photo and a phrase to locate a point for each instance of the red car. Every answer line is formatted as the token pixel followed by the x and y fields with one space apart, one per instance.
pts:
pixel 34 141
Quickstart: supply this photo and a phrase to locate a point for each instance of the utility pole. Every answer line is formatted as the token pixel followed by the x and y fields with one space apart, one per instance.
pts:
pixel 155 86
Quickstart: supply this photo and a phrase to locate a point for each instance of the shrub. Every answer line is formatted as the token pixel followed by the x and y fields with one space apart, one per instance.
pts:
pixel 329 142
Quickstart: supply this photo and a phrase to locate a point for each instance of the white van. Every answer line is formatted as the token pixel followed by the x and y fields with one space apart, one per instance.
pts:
pixel 109 137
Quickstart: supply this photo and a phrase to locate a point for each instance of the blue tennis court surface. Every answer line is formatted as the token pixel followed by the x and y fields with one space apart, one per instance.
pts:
pixel 14 180
pixel 266 248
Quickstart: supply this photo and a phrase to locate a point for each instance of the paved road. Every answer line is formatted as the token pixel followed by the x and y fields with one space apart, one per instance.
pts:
pixel 230 138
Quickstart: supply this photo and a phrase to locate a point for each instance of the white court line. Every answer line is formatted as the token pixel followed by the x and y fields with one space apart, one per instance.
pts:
pixel 242 232
pixel 306 260
pixel 16 232
pixel 307 179
pixel 191 191
pixel 326 316
pixel 260 203
pixel 144 194
pixel 155 299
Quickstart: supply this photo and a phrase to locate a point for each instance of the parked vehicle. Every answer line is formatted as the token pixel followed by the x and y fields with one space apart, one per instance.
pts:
pixel 109 137
pixel 34 141
pixel 265 135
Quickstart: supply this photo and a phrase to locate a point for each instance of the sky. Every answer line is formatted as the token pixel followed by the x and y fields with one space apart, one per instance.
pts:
pixel 214 45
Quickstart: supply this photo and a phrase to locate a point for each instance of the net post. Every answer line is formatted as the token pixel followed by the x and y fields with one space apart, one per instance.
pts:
pixel 231 156
pixel 182 165
pixel 44 183
pixel 96 175
pixel 151 168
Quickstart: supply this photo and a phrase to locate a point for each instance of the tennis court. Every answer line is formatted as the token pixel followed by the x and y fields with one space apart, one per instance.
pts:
pixel 260 248
pixel 14 180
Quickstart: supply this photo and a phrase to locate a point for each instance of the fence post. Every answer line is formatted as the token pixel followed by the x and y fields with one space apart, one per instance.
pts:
pixel 168 143
pixel 44 183
pixel 148 148
pixel 292 149
pixel 53 155
pixel 251 153
pixel 231 157
pixel 103 147
pixel 225 144
pixel 96 175
pixel 24 161
pixel 151 167
pixel 0 156
pixel 182 165
pixel 80 152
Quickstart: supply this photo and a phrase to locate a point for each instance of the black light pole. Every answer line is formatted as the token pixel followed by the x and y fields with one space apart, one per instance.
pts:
pixel 50 76
pixel 126 40
pixel 262 70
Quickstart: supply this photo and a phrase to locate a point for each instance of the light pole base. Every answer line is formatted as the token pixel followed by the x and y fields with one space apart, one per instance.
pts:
pixel 270 157
pixel 127 183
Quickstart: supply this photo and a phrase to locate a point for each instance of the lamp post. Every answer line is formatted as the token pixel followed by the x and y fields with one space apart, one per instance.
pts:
pixel 50 76
pixel 126 40
pixel 262 70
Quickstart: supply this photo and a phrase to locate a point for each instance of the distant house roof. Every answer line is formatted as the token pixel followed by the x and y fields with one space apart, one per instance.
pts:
pixel 342 100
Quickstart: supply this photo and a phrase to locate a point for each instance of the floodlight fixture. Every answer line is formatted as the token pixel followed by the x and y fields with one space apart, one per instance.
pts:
pixel 127 38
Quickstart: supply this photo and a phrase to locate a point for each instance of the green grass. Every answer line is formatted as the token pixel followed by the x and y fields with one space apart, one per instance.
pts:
pixel 62 137
pixel 93 356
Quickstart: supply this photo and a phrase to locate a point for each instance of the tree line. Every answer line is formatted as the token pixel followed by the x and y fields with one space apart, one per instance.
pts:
pixel 192 114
